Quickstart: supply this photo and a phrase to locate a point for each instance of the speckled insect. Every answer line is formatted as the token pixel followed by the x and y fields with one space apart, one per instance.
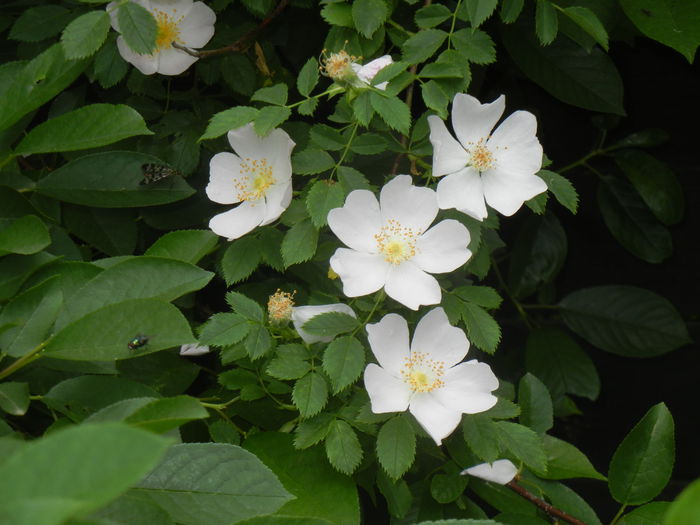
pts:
pixel 137 342
pixel 155 172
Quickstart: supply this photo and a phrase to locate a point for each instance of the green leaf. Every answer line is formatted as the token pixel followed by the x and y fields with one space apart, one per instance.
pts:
pixel 393 111
pixel 15 269
pixel 338 15
pixel 362 108
pixel 269 118
pixel 130 510
pixel 299 243
pixel 343 361
pixel 482 329
pixel 258 342
pixel 565 461
pixel 535 404
pixel 510 10
pixel 655 183
pixel 330 324
pixel 225 121
pixel 87 127
pixel 108 65
pixel 422 45
pixel 684 510
pixel 276 95
pixel 561 188
pixel 111 180
pixel 629 220
pixel 103 334
pixel 397 495
pixel 84 35
pixel 327 138
pixel 396 446
pixel 369 15
pixel 322 198
pixel 308 77
pixel 240 259
pixel 654 513
pixel 310 394
pixel 625 320
pixel 480 10
pixel 674 23
pixel 484 296
pixel 224 329
pixel 555 358
pixel 446 488
pixel 290 362
pixel 589 22
pixel 111 231
pixel 523 443
pixel 567 500
pixel 155 415
pixel 342 447
pixel 26 235
pixel 245 306
pixel 14 398
pixel 567 71
pixel 270 243
pixel 546 22
pixel 312 431
pixel 482 436
pixel 476 46
pixel 184 245
pixel 58 494
pixel 311 161
pixel 138 27
pixel 40 22
pixel 642 464
pixel 213 483
pixel 432 15
pixel 308 106
pixel 435 97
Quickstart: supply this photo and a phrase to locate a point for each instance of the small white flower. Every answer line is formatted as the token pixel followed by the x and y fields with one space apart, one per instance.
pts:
pixel 188 23
pixel 259 176
pixel 427 377
pixel 497 167
pixel 391 246
pixel 193 349
pixel 501 471
pixel 367 72
pixel 302 314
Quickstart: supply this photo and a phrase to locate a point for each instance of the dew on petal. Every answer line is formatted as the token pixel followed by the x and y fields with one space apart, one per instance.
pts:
pixel 396 242
pixel 255 181
pixel 422 373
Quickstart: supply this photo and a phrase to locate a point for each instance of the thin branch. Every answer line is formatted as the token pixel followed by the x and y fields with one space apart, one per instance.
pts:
pixel 546 507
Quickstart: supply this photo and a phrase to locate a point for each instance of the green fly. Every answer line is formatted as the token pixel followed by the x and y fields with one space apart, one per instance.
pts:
pixel 137 342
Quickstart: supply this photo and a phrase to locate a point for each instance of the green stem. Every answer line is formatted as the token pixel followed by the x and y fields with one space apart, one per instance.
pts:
pixel 24 360
pixel 400 27
pixel 334 89
pixel 345 151
pixel 516 303
pixel 7 160
pixel 619 514
pixel 452 25
pixel 377 302
pixel 220 406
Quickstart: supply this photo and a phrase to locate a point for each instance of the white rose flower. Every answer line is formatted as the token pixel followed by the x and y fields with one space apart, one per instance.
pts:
pixel 302 314
pixel 391 246
pixel 498 168
pixel 427 377
pixel 188 23
pixel 259 176
pixel 367 72
pixel 501 471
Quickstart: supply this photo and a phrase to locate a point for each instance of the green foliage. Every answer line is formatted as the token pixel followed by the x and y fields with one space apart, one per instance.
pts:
pixel 683 510
pixel 396 446
pixel 535 404
pixel 342 447
pixel 138 27
pixel 84 35
pixel 343 361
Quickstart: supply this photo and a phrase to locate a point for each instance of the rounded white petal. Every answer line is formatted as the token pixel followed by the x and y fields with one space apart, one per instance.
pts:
pixel 412 206
pixel 448 155
pixel 515 146
pixel 361 273
pixel 472 120
pixel 501 471
pixel 443 247
pixel 386 392
pixel 197 28
pixel 464 191
pixel 113 13
pixel 435 335
pixel 224 172
pixel 240 220
pixel 437 420
pixel 277 198
pixel 146 64
pixel 367 72
pixel 302 314
pixel 173 61
pixel 246 143
pixel 173 8
pixel 388 340
pixel 193 349
pixel 468 388
pixel 411 286
pixel 506 193
pixel 358 221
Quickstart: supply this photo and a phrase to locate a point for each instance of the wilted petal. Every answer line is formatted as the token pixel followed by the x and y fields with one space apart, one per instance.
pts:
pixel 464 191
pixel 240 220
pixel 389 342
pixel 436 336
pixel 302 314
pixel 411 286
pixel 412 206
pixel 361 273
pixel 501 471
pixel 358 221
pixel 472 120
pixel 193 349
pixel 437 420
pixel 448 155
pixel 386 392
pixel 443 247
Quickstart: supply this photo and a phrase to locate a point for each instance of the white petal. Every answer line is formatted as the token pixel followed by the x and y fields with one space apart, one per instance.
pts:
pixel 173 61
pixel 506 193
pixel 277 198
pixel 437 420
pixel 240 220
pixel 515 146
pixel 146 64
pixel 386 392
pixel 173 8
pixel 448 154
pixel 367 72
pixel 197 28
pixel 501 471
pixel 464 191
pixel 246 143
pixel 412 206
pixel 361 273
pixel 193 349
pixel 302 314
pixel 224 172
pixel 436 336
pixel 358 221
pixel 113 13
pixel 468 388
pixel 388 340
pixel 472 120
pixel 411 286
pixel 443 247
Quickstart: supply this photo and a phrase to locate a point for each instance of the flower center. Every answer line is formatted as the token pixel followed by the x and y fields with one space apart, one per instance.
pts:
pixel 480 157
pixel 168 31
pixel 338 66
pixel 396 242
pixel 257 178
pixel 422 373
pixel 279 306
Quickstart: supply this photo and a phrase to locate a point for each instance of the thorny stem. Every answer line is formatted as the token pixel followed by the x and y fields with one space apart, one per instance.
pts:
pixel 546 507
pixel 24 360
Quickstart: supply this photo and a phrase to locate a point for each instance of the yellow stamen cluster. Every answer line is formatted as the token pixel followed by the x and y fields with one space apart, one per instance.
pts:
pixel 338 66
pixel 481 157
pixel 397 243
pixel 255 181
pixel 279 306
pixel 168 31
pixel 422 373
